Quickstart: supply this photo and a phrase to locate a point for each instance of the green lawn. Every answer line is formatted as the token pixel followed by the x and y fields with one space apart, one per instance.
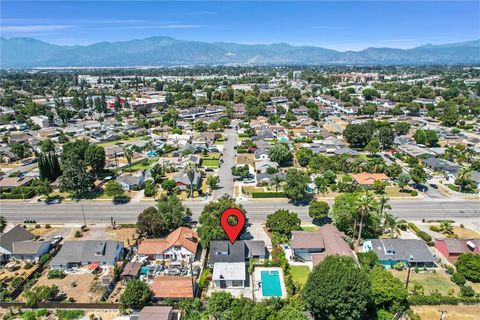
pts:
pixel 309 228
pixel 299 274
pixel 429 280
pixel 211 163
pixel 143 165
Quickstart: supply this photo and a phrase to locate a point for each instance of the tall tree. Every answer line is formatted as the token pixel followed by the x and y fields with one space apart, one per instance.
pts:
pixel 95 158
pixel 337 289
pixel 3 224
pixel 296 185
pixel 365 206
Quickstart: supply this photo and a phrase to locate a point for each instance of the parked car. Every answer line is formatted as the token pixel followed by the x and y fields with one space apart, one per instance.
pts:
pixel 53 201
pixel 433 185
pixel 249 180
pixel 55 240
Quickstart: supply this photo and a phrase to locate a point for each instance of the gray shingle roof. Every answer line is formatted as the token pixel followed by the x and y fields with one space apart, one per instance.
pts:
pixel 234 252
pixel 17 233
pixel 27 247
pixel 402 249
pixel 86 250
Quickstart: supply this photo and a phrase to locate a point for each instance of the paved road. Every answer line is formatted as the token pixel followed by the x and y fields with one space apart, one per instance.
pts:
pixel 257 211
pixel 225 172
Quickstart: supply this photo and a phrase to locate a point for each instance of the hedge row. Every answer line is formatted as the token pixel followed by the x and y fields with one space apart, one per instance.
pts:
pixel 268 195
pixel 431 300
pixel 27 194
pixel 421 234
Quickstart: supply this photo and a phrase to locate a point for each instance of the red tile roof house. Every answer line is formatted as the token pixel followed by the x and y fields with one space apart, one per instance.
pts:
pixel 315 246
pixel 451 249
pixel 179 245
pixel 368 179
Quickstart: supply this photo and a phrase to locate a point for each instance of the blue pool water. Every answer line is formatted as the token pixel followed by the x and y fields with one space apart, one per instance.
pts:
pixel 144 270
pixel 284 139
pixel 271 286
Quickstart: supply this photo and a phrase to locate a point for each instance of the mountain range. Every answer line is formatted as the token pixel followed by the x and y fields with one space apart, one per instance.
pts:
pixel 167 51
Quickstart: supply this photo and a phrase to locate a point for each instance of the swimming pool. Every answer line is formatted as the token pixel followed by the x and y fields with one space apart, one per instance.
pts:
pixel 271 286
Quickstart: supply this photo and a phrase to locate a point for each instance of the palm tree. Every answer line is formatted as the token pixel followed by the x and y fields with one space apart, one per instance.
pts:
pixel 128 154
pixel 276 181
pixel 3 224
pixel 383 204
pixel 393 224
pixel 365 205
pixel 190 171
pixel 447 228
pixel 463 177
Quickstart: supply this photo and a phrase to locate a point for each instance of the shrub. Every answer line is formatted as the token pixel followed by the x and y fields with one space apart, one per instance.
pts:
pixel 467 291
pixel 424 236
pixel 28 265
pixel 47 226
pixel 458 278
pixel 56 274
pixel 268 195
pixel 436 228
pixel 37 226
pixel 78 234
pixel 83 228
pixel 44 258
pixel 69 314
pixel 204 278
pixel 414 193
pixel 469 265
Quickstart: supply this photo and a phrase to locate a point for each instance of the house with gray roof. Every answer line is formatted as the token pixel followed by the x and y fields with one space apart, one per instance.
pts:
pixel 29 250
pixel 7 239
pixel 390 252
pixel 131 182
pixel 183 182
pixel 270 178
pixel 441 165
pixel 74 254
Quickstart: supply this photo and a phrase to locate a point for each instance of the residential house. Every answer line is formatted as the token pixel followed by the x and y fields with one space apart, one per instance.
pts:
pixel 131 271
pixel 178 245
pixel 261 154
pixel 366 179
pixel 262 166
pixel 29 250
pixel 173 287
pixel 74 254
pixel 441 165
pixel 316 245
pixel 191 159
pixel 156 313
pixel 228 275
pixel 131 182
pixel 13 182
pixel 183 182
pixel 229 261
pixel 391 252
pixel 269 179
pixel 7 239
pixel 451 248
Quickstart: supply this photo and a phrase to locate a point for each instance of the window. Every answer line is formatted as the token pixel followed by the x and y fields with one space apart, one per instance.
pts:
pixel 237 283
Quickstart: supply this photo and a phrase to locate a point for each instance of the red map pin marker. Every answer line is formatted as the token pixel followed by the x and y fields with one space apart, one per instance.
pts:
pixel 232 232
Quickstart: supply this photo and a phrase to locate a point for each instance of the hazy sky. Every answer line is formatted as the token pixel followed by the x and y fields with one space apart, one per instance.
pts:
pixel 342 25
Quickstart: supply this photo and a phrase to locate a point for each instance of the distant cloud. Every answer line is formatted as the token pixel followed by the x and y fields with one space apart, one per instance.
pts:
pixel 33 28
pixel 206 12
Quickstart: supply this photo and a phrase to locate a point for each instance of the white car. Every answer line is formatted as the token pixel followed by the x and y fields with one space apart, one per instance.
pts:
pixel 248 180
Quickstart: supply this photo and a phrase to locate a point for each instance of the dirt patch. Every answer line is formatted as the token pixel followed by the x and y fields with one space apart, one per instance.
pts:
pixel 81 287
pixel 43 232
pixel 245 158
pixel 127 235
pixel 464 233
pixel 461 312
pixel 104 315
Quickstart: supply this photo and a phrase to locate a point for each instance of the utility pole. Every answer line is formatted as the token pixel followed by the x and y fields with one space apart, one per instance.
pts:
pixel 83 214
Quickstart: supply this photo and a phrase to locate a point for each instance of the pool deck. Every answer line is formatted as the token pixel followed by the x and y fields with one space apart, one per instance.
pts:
pixel 257 277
